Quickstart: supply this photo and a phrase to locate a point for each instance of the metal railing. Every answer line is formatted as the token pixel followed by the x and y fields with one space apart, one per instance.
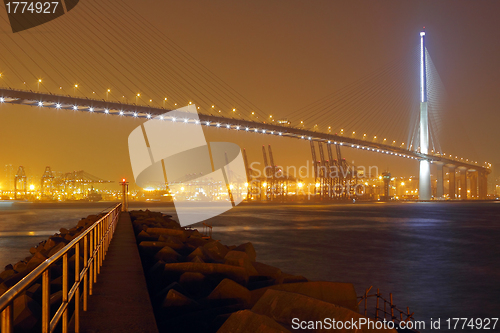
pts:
pixel 94 241
pixel 389 309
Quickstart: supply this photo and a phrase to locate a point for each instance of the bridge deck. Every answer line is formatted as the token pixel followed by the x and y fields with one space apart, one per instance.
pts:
pixel 120 300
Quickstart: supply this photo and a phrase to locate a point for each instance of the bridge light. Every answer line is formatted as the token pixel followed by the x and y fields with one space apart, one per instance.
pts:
pixel 207 123
pixel 228 126
pixel 40 104
pixel 75 107
pixel 272 132
pixel 263 131
pixel 237 127
pixel 121 113
pixel 246 129
pixel 149 116
pixel 302 137
pixel 256 130
pixel 138 95
pixel 58 106
pixel 309 138
pixel 76 85
pixel 173 119
pixel 39 80
pixel 270 116
pixel 234 110
pixel 161 118
pixel 185 120
pixel 135 114
pixel 279 133
pixel 190 103
pixel 2 100
pixel 218 125
pixel 109 90
pixel 196 121
pixel 106 111
pixel 91 109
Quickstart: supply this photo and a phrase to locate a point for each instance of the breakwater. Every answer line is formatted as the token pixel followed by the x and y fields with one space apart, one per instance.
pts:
pixel 197 284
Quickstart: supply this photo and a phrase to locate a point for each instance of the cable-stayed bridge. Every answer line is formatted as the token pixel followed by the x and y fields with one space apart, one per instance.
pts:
pixel 156 64
pixel 477 173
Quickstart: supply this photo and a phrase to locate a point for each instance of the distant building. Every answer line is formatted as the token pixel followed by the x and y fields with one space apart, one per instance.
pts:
pixel 8 177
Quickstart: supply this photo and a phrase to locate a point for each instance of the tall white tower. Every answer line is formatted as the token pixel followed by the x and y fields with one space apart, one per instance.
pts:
pixel 425 167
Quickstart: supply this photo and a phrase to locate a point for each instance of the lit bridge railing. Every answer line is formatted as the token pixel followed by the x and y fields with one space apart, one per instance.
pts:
pixel 95 241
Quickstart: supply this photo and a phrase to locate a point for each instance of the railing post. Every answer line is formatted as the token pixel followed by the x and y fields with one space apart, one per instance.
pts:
pixel 86 275
pixel 377 307
pixel 366 302
pixel 8 319
pixel 45 301
pixel 65 292
pixel 91 255
pixel 392 308
pixel 385 308
pixel 77 292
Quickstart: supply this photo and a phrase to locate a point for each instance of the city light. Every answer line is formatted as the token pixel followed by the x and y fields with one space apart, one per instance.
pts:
pixel 40 103
pixel 75 107
pixel 58 106
pixel 91 109
pixel 135 114
pixel 106 111
pixel 2 100
pixel 300 185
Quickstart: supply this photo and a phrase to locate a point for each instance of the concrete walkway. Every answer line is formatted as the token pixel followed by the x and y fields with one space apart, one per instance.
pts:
pixel 120 300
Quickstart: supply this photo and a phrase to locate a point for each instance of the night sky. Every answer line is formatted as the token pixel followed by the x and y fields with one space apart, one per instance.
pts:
pixel 280 55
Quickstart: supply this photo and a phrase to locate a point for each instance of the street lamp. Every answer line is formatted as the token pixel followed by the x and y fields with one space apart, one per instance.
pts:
pixel 136 97
pixel 74 89
pixel 39 81
pixel 107 93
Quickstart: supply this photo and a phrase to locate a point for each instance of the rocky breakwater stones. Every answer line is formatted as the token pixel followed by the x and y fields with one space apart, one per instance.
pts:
pixel 197 284
pixel 27 307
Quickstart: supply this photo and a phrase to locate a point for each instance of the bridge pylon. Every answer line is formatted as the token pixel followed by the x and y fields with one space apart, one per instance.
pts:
pixel 424 191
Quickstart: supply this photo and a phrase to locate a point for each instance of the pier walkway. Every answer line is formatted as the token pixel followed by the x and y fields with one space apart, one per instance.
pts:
pixel 120 300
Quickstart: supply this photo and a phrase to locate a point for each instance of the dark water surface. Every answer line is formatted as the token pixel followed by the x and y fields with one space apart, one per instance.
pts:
pixel 440 259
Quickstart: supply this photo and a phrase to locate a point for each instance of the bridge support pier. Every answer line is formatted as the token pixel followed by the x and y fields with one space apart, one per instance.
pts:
pixel 452 182
pixel 483 185
pixel 473 185
pixel 440 180
pixel 463 184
